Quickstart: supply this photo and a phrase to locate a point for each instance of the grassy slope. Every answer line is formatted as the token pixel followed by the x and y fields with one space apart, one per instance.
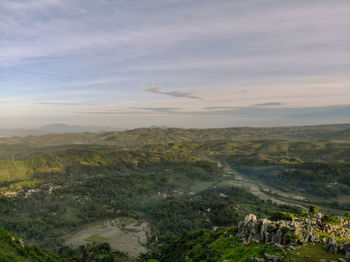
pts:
pixel 222 245
pixel 12 251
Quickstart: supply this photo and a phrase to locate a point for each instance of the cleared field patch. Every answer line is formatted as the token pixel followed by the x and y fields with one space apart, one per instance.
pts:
pixel 130 238
pixel 97 239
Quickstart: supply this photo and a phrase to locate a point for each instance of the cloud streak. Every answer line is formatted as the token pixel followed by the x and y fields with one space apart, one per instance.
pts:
pixel 62 103
pixel 269 104
pixel 158 90
pixel 6 100
pixel 158 109
pixel 219 107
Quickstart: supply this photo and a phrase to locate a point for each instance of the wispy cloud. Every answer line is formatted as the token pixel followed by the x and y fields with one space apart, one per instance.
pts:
pixel 158 90
pixel 249 112
pixel 219 107
pixel 29 5
pixel 269 104
pixel 62 103
pixel 158 109
pixel 5 100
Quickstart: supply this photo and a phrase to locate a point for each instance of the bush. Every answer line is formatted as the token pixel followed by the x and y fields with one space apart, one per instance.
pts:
pixel 282 216
pixel 294 237
pixel 329 219
pixel 313 209
pixel 347 216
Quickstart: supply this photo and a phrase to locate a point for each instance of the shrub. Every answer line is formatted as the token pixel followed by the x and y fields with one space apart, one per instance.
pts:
pixel 282 216
pixel 347 216
pixel 294 237
pixel 313 209
pixel 329 219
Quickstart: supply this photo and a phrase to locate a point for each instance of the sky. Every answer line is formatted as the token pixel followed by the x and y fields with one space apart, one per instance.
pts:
pixel 194 63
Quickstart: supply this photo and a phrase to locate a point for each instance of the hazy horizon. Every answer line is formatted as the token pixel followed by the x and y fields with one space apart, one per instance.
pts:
pixel 120 128
pixel 200 64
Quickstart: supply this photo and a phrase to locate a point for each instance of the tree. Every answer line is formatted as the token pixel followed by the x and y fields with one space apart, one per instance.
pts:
pixel 347 216
pixel 313 209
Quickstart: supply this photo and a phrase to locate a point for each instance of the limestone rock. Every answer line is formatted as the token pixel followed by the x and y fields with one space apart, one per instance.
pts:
pixel 331 246
pixel 273 257
pixel 256 259
pixel 270 232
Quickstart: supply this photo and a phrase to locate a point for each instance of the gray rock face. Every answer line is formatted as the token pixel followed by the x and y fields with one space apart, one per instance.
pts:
pixel 287 235
pixel 331 246
pixel 273 257
pixel 346 248
pixel 270 232
pixel 256 259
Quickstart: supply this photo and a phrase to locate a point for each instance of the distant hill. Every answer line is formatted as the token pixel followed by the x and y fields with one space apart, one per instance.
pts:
pixel 162 126
pixel 54 129
pixel 63 129
pixel 19 132
pixel 142 136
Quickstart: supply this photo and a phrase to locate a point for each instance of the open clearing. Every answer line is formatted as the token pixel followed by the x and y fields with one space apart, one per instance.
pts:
pixel 130 238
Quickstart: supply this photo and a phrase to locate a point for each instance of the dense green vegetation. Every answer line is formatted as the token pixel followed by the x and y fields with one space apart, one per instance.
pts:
pixel 124 184
pixel 222 245
pixel 13 249
pixel 96 252
pixel 213 207
pixel 89 185
pixel 173 178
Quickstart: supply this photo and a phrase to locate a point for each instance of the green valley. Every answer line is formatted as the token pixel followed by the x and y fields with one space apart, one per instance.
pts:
pixel 139 197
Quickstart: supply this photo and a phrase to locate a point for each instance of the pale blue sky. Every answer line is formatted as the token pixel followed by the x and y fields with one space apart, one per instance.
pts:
pixel 179 63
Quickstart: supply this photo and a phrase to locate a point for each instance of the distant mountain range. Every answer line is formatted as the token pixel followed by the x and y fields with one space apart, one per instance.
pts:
pixel 64 135
pixel 55 129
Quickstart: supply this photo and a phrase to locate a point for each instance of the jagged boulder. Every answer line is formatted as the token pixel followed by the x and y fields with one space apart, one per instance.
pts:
pixel 256 259
pixel 248 229
pixel 331 246
pixel 273 257
pixel 346 248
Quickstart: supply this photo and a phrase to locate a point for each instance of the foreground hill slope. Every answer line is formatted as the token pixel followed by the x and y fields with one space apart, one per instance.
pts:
pixel 304 237
pixel 12 249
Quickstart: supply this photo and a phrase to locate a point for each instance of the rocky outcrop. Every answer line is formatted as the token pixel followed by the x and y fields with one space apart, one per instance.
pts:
pixel 278 233
pixel 268 257
pixel 345 248
pixel 294 233
pixel 273 257
pixel 256 259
